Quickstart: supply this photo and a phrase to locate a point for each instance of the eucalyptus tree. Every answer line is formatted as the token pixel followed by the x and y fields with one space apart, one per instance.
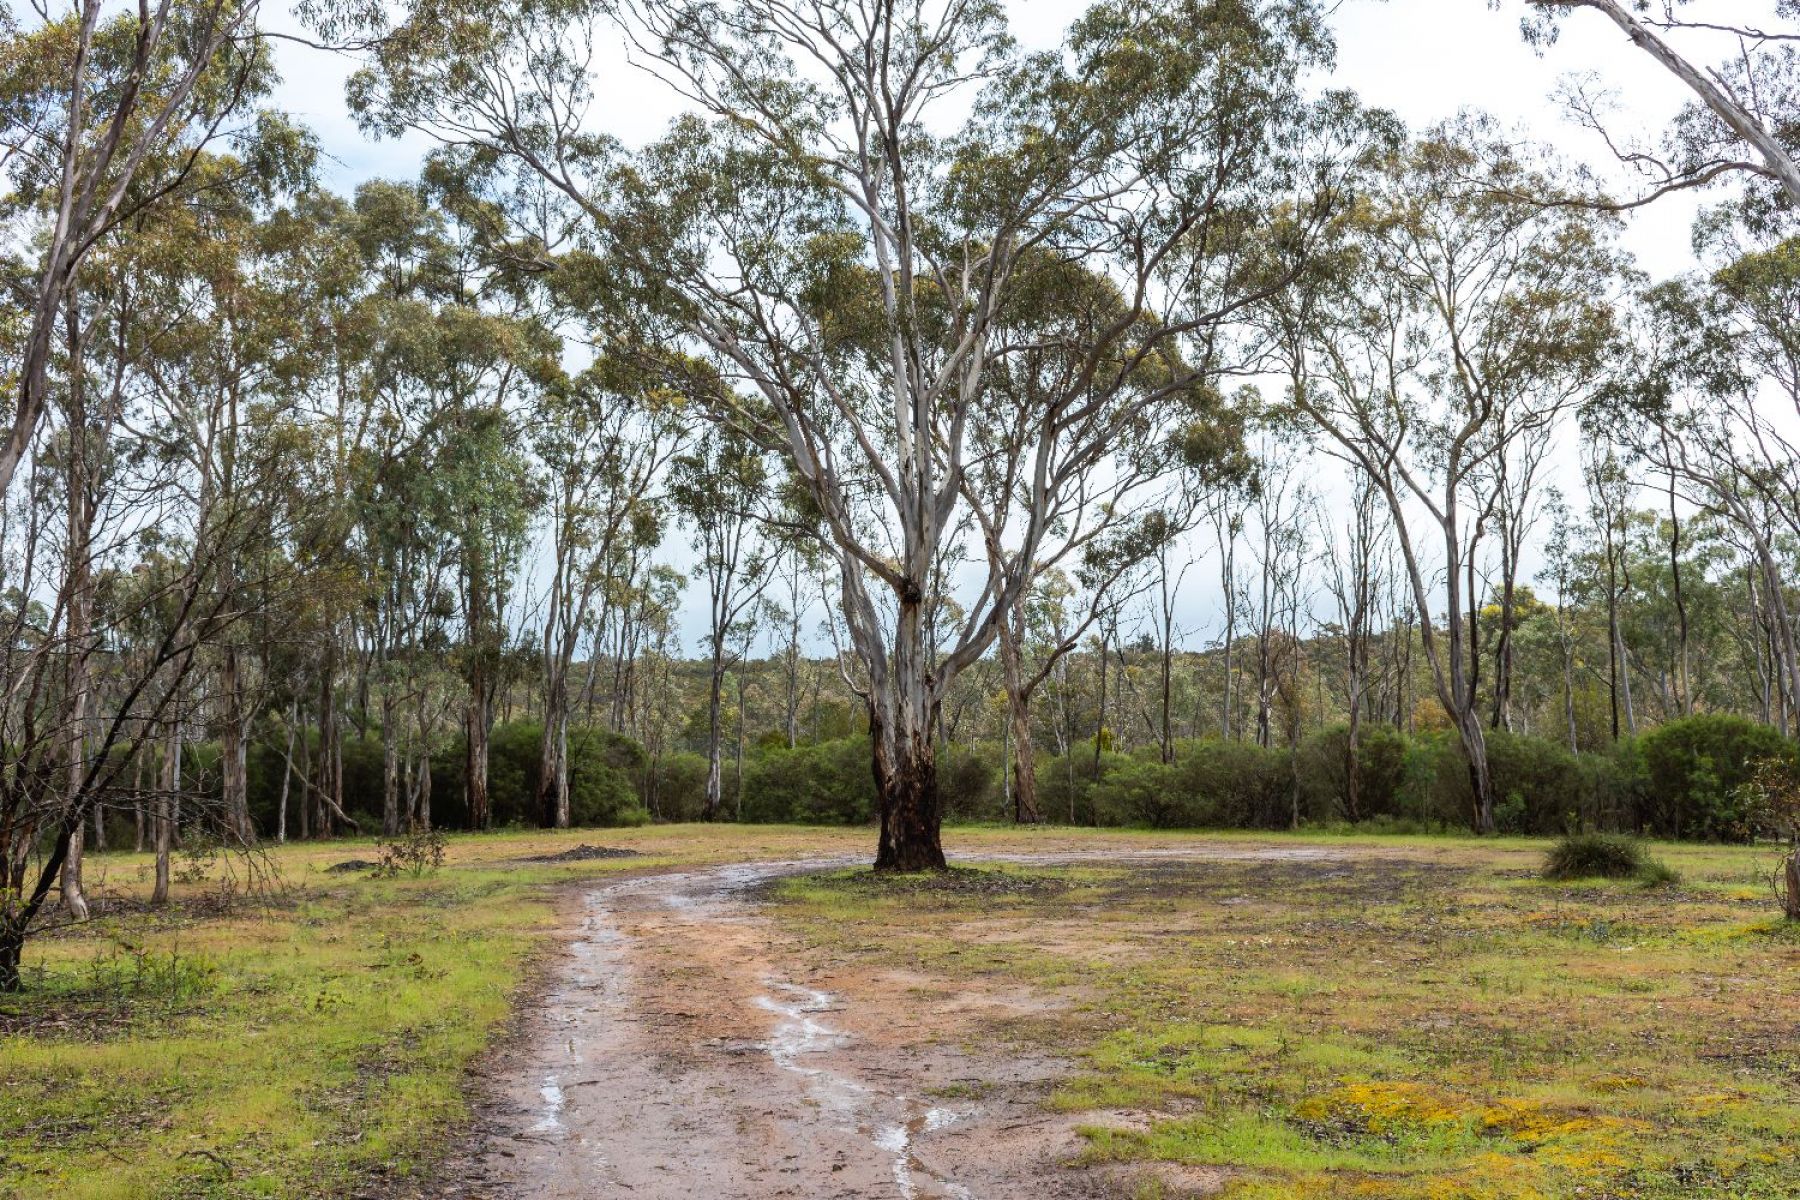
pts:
pixel 106 655
pixel 477 367
pixel 1124 504
pixel 421 408
pixel 106 111
pixel 1461 316
pixel 717 485
pixel 1715 404
pixel 343 266
pixel 840 239
pixel 795 563
pixel 1226 511
pixel 1352 552
pixel 1610 487
pixel 1744 115
pixel 1560 563
pixel 216 379
pixel 1278 540
pixel 603 451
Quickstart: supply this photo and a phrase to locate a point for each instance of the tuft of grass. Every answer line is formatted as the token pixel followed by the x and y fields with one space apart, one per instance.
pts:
pixel 1595 856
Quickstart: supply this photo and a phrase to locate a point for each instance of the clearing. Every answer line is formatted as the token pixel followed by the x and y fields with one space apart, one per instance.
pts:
pixel 748 1013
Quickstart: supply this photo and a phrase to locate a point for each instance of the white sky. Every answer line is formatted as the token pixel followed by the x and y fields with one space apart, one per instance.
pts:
pixel 1424 59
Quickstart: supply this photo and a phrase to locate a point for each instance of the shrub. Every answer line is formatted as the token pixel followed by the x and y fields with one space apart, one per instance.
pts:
pixel 1539 787
pixel 1065 788
pixel 1595 856
pixel 676 790
pixel 968 786
pixel 418 853
pixel 1236 785
pixel 830 783
pixel 1381 765
pixel 1140 792
pixel 1211 785
pixel 1697 772
pixel 602 790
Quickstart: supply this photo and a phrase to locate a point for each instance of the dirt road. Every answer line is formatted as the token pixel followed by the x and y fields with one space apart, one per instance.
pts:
pixel 677 1054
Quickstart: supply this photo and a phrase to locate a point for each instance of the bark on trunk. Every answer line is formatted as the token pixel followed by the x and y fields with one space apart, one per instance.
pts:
pixel 80 593
pixel 1777 163
pixel 287 779
pixel 1791 906
pixel 906 784
pixel 163 831
pixel 390 766
pixel 331 779
pixel 1481 779
pixel 420 819
pixel 1018 703
pixel 714 726
pixel 234 765
pixel 1100 708
pixel 74 900
pixel 12 948
pixel 1569 698
pixel 553 761
pixel 475 755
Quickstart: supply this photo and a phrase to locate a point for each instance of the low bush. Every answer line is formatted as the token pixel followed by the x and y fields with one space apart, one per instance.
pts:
pixel 1323 768
pixel 830 783
pixel 1595 856
pixel 676 787
pixel 1140 792
pixel 602 792
pixel 1210 785
pixel 969 787
pixel 1698 772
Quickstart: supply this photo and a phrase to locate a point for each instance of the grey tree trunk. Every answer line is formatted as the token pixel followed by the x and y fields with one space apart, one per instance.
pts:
pixel 287 779
pixel 234 747
pixel 715 697
pixel 164 823
pixel 1018 711
pixel 390 765
pixel 1777 164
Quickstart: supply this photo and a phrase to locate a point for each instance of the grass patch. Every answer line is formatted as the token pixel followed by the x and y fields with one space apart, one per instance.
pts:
pixel 1403 1018
pixel 1606 856
pixel 306 1045
pixel 1595 856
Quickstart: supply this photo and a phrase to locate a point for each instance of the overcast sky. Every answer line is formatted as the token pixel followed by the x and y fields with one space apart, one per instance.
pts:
pixel 1423 59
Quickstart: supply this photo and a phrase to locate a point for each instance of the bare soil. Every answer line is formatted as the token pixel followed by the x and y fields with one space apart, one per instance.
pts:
pixel 687 1047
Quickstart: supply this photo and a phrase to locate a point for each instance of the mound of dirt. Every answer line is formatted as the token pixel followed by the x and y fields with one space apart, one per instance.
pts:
pixel 584 853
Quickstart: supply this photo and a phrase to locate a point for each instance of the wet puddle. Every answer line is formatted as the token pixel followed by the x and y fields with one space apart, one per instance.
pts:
pixel 798 1032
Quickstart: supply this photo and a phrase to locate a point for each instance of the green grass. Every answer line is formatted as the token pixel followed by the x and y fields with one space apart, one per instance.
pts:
pixel 1425 1018
pixel 302 1044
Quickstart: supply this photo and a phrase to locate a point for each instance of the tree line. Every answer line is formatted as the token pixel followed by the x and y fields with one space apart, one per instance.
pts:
pixel 920 361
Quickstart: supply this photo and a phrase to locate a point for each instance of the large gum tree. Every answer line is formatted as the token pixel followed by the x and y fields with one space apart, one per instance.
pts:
pixel 821 254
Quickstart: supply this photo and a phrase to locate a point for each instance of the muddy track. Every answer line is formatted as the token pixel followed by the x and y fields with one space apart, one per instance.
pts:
pixel 676 1053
